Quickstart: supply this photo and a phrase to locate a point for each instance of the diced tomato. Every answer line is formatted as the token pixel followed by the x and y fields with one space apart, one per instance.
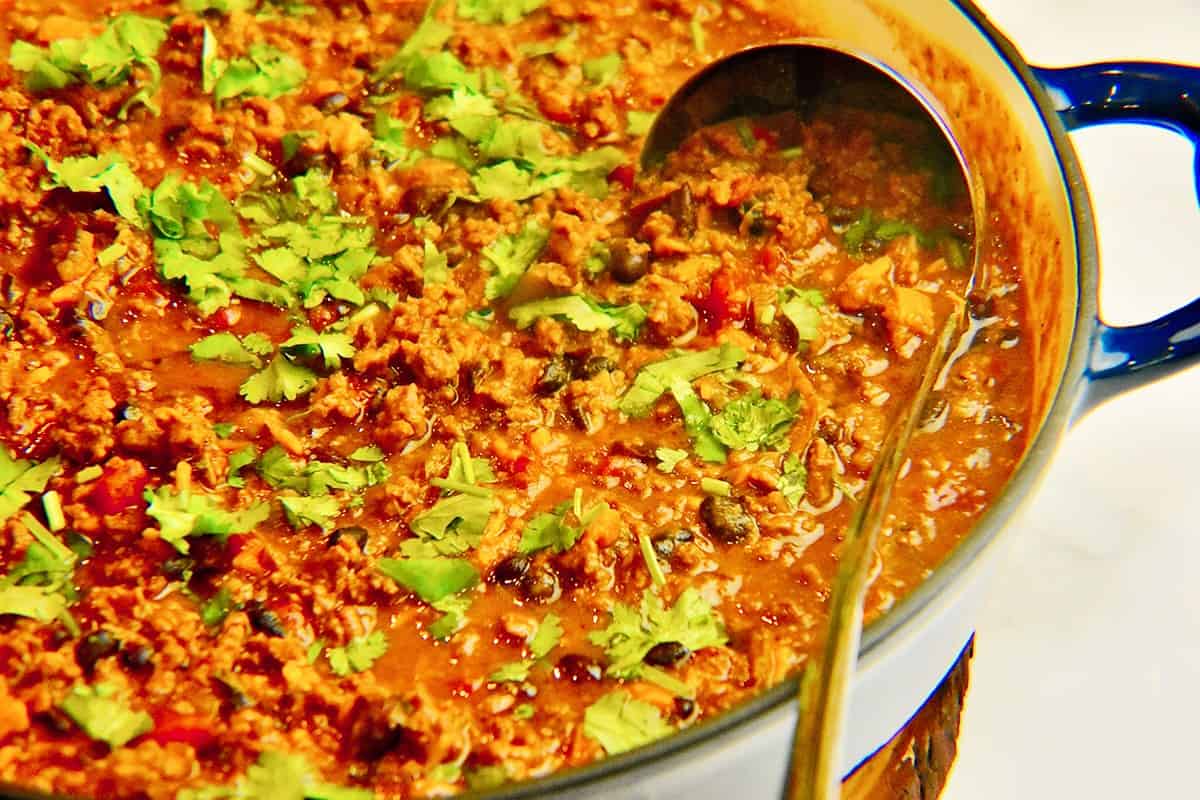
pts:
pixel 718 307
pixel 120 487
pixel 192 730
pixel 224 319
pixel 623 174
pixel 768 257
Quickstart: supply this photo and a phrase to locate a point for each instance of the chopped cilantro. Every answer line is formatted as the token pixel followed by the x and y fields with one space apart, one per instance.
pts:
pixel 454 616
pixel 434 269
pixel 239 460
pixel 85 475
pixel 660 677
pixel 39 587
pixel 431 579
pixel 509 257
pixel 228 348
pixel 715 487
pixel 358 655
pixel 638 123
pixel 490 12
pixel 224 430
pixel 102 715
pixel 480 318
pixel 220 6
pixel 111 254
pixel 304 511
pixel 802 307
pixel 367 454
pixel 191 513
pixel 481 779
pixel 103 61
pixel 551 529
pixel 753 422
pixel 35 602
pixel 652 566
pixel 746 134
pixel 654 379
pixel 620 723
pixel 604 69
pixel 699 36
pixel 669 458
pixel 584 313
pixel 632 633
pixel 455 524
pixel 793 480
pixel 331 346
pixel 545 638
pixel 317 477
pixel 108 172
pixel 19 479
pixel 281 380
pixel 217 608
pixel 265 71
pixel 697 421
pixel 429 37
pixel 390 142
pixel 278 776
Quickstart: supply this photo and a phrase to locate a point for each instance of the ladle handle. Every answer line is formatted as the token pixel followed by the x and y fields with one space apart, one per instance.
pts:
pixel 1166 96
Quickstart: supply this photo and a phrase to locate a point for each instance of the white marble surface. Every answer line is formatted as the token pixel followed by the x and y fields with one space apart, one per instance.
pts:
pixel 1086 682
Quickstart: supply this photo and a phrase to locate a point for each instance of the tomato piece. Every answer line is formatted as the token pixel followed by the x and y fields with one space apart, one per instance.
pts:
pixel 187 729
pixel 623 174
pixel 769 258
pixel 718 307
pixel 119 487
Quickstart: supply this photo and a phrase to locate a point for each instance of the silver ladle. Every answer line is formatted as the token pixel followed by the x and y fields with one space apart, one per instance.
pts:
pixel 799 76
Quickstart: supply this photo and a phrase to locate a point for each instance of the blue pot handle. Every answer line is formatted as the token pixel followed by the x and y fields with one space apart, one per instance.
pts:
pixel 1167 96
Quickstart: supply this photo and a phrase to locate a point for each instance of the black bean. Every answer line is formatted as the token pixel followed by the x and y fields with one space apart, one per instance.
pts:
pixel 839 215
pixel 666 654
pixel 555 375
pixel 726 519
pixel 665 544
pixel 577 668
pixel 682 207
pixel 593 366
pixel 264 619
pixel 332 102
pixel 935 407
pixel 539 585
pixel 94 647
pixel 629 260
pixel 511 570
pixel 981 305
pixel 355 532
pixel 178 566
pixel 137 656
pixel 684 707
pixel 371 734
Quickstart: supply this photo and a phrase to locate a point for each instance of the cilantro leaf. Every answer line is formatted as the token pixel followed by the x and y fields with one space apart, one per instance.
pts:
pixel 281 380
pixel 390 140
pixel 620 723
pixel 19 479
pixel 434 269
pixel 40 587
pixel 102 715
pixel 190 513
pixel 430 36
pixel 638 123
pixel 369 454
pixel 632 633
pixel 102 61
pixel 454 524
pixel 654 379
pixel 802 307
pixel 697 421
pixel 431 579
pixel 545 638
pixel 454 616
pixel 358 655
pixel 41 603
pixel 489 12
pixel 793 481
pixel 317 477
pixel 509 257
pixel 278 776
pixel 220 6
pixel 109 173
pixel 753 422
pixel 229 349
pixel 604 69
pixel 669 458
pixel 217 608
pixel 330 345
pixel 239 460
pixel 265 71
pixel 584 313
pixel 304 511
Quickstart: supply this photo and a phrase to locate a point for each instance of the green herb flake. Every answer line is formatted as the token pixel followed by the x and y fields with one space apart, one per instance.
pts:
pixel 109 173
pixel 545 638
pixel 620 723
pixel 669 458
pixel 280 381
pixel 104 716
pixel 89 474
pixel 632 633
pixel 638 123
pixel 753 422
pixel 434 269
pixel 491 12
pixel 509 257
pixel 653 380
pixel 330 346
pixel 239 460
pixel 652 566
pixel 368 454
pixel 52 506
pixel 278 776
pixel 431 579
pixel 584 313
pixel 524 711
pixel 802 308
pixel 697 421
pixel 317 477
pixel 302 512
pixel 229 349
pixel 192 513
pixel 717 488
pixel 793 481
pixel 265 71
pixel 20 479
pixel 359 655
pixel 217 608
pixel 603 70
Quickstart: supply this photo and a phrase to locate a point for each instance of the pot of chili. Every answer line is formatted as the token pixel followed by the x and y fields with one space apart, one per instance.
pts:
pixel 372 428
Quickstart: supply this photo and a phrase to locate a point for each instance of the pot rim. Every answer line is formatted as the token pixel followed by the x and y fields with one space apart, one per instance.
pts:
pixel 965 555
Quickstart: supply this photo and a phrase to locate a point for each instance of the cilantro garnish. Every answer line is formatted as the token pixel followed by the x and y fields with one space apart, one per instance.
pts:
pixel 103 61
pixel 551 529
pixel 317 477
pixel 220 6
pixel 584 313
pixel 280 381
pixel 429 37
pixel 802 307
pixel 278 776
pixel 431 579
pixel 869 227
pixel 632 633
pixel 229 349
pixel 358 655
pixel 509 257
pixel 620 723
pixel 331 346
pixel 304 511
pixel 638 123
pixel 434 268
pixel 455 523
pixel 40 586
pixel 264 71
pixel 655 379
pixel 546 638
pixel 793 480
pixel 19 479
pixel 217 608
pixel 669 458
pixel 368 454
pixel 697 421
pixel 102 714
pixel 753 422
pixel 108 173
pixel 239 460
pixel 604 69
pixel 190 513
pixel 489 12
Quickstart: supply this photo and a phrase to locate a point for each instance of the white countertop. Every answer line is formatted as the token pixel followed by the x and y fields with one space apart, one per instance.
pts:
pixel 1086 682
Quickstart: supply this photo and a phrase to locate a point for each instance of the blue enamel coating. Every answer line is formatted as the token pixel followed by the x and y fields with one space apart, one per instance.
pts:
pixel 1163 95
